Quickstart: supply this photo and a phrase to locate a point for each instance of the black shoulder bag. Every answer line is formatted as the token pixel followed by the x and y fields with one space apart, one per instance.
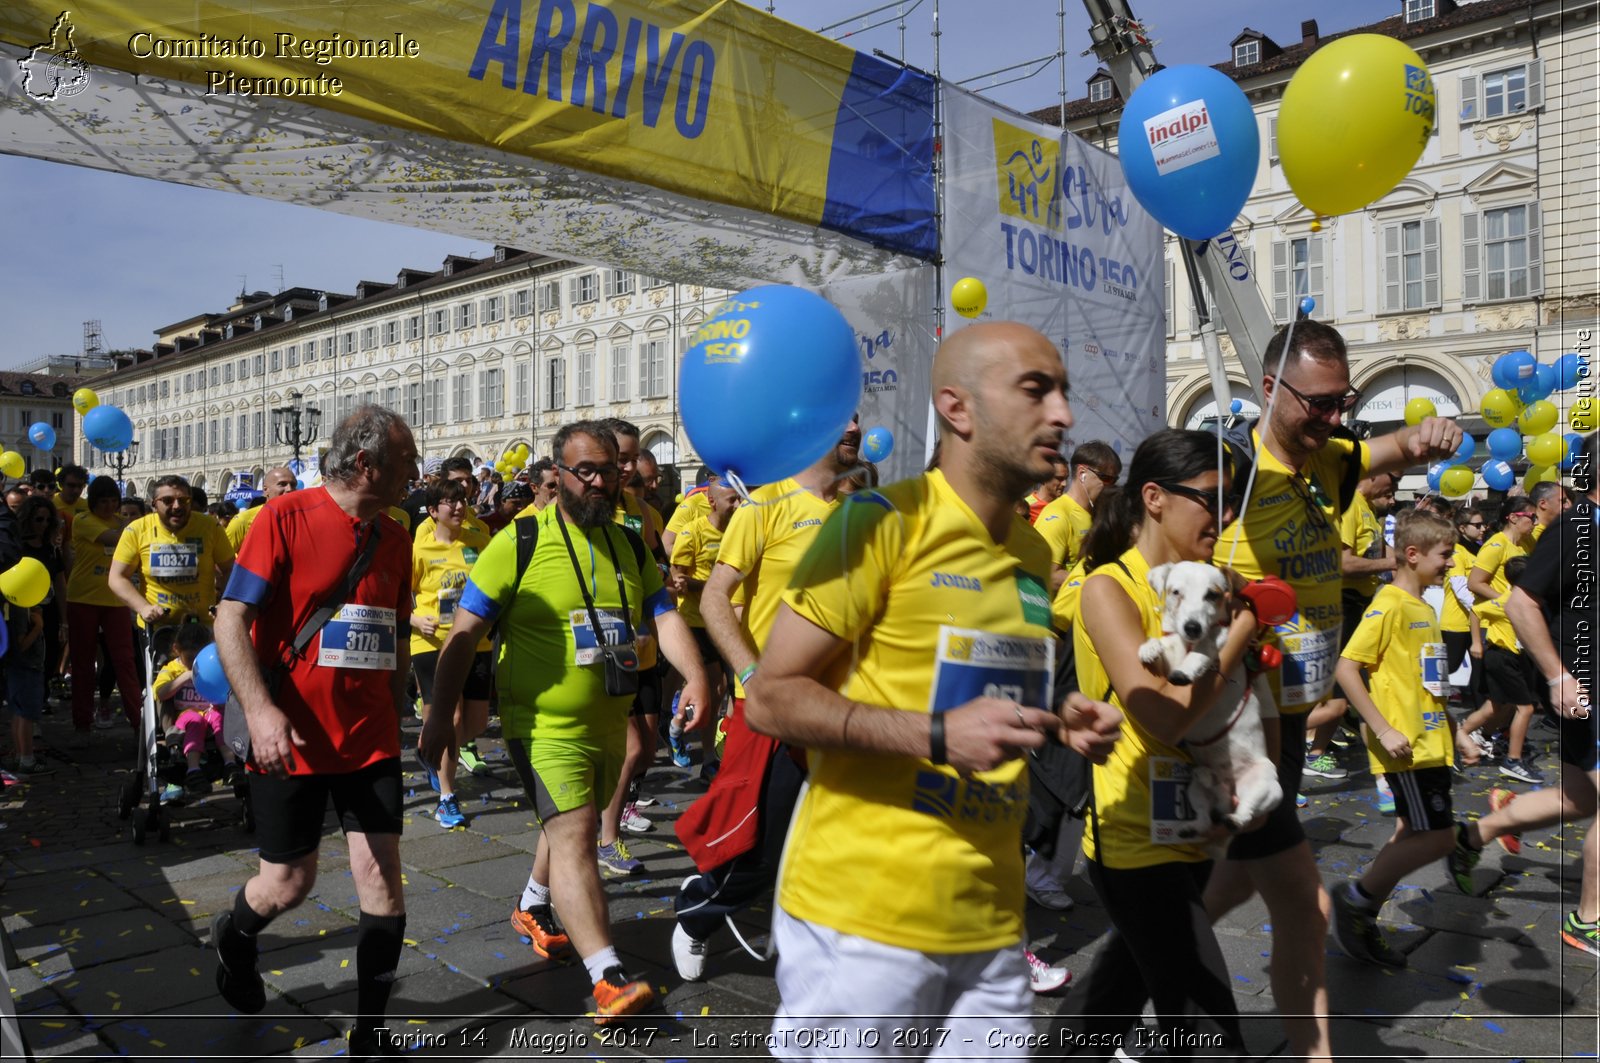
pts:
pixel 621 661
pixel 235 728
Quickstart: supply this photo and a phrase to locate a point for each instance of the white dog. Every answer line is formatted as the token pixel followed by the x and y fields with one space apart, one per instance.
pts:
pixel 1227 744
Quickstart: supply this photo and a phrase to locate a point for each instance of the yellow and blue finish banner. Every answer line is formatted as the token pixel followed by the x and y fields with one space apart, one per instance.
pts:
pixel 712 100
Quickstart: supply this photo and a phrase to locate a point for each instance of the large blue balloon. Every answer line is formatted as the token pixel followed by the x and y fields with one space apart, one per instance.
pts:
pixel 1505 444
pixel 1190 149
pixel 1498 475
pixel 210 682
pixel 1574 444
pixel 1512 369
pixel 1435 473
pixel 1539 385
pixel 107 428
pixel 877 444
pixel 1468 447
pixel 1570 368
pixel 42 435
pixel 769 383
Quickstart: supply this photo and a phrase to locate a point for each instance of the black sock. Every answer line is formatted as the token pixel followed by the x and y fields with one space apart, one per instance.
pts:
pixel 246 920
pixel 378 942
pixel 1465 839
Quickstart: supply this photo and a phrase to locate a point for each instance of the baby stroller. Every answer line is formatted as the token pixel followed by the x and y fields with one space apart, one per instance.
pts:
pixel 160 762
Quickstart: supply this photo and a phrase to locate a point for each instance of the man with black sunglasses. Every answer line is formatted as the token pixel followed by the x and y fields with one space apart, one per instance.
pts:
pixel 1290 529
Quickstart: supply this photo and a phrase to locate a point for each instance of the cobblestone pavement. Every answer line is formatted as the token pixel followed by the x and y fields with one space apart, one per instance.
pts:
pixel 112 936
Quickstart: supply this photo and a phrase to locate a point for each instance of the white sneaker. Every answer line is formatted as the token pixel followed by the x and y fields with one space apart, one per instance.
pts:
pixel 1043 977
pixel 1053 899
pixel 688 955
pixel 633 822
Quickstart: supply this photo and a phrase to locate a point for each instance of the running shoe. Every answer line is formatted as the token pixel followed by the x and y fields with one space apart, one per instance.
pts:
pixel 469 759
pixel 1461 860
pixel 31 770
pixel 688 954
pixel 448 814
pixel 616 860
pixel 170 793
pixel 238 980
pixel 1301 800
pixel 1054 899
pixel 1521 770
pixel 617 995
pixel 1385 797
pixel 433 776
pixel 537 926
pixel 195 782
pixel 680 749
pixel 1499 797
pixel 1356 930
pixel 632 821
pixel 1043 977
pixel 1581 935
pixel 1324 767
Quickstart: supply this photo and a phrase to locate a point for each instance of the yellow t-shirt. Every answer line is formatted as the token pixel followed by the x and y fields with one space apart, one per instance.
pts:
pixel 765 541
pixel 401 517
pixel 1064 523
pixel 1064 610
pixel 1400 644
pixel 469 525
pixel 1538 530
pixel 1497 629
pixel 896 849
pixel 696 549
pixel 179 570
pixel 638 516
pixel 186 696
pixel 91 561
pixel 1359 530
pixel 241 524
pixel 70 513
pixel 438 576
pixel 692 506
pixel 1492 558
pixel 1292 531
pixel 1454 616
pixel 1139 790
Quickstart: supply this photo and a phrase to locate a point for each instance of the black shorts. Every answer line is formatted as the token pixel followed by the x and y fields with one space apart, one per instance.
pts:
pixel 289 812
pixel 480 679
pixel 710 656
pixel 1422 798
pixel 1580 740
pixel 1282 830
pixel 1509 678
pixel 647 702
pixel 1458 647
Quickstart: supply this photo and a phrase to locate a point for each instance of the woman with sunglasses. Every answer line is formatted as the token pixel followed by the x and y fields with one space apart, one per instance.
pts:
pixel 1161 947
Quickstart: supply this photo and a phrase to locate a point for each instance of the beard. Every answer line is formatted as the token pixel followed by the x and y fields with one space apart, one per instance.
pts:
pixel 591 508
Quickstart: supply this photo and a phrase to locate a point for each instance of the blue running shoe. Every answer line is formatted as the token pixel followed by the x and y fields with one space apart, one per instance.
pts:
pixel 449 814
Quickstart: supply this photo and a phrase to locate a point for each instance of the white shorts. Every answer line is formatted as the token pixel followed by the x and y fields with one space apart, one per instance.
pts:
pixel 845 997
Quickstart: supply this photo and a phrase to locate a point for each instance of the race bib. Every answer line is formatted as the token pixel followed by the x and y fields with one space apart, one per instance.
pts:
pixel 448 599
pixel 359 636
pixel 1307 670
pixel 586 649
pixel 175 562
pixel 1173 817
pixel 1435 669
pixel 976 664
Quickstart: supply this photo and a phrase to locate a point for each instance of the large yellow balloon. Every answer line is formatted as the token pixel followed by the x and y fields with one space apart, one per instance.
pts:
pixel 1500 407
pixel 84 400
pixel 25 583
pixel 969 297
pixel 1354 120
pixel 1585 414
pixel 1540 474
pixel 12 465
pixel 1456 481
pixel 1546 448
pixel 1537 418
pixel 1420 409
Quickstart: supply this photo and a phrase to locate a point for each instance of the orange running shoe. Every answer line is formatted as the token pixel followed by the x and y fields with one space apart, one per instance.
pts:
pixel 538 925
pixel 1498 799
pixel 617 996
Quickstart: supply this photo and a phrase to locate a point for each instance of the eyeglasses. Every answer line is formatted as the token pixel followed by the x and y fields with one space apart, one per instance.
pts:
pixel 1323 405
pixel 1216 501
pixel 1473 524
pixel 591 473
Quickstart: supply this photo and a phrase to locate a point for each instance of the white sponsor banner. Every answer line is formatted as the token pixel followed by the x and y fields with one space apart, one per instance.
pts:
pixel 1181 137
pixel 1049 226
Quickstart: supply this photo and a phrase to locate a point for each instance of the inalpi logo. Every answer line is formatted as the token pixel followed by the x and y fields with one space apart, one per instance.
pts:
pixel 1183 120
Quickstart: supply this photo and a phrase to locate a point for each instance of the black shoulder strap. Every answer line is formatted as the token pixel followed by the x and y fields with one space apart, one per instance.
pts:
pixel 527 540
pixel 1352 468
pixel 640 550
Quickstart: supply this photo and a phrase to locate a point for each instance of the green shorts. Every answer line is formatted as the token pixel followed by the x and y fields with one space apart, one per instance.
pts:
pixel 560 775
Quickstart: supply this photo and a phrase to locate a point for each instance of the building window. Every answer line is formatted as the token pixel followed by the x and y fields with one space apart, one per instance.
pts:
pixel 618 283
pixel 1172 300
pixel 327 346
pixel 657 282
pixel 1099 89
pixel 585 393
pixel 522 302
pixel 244 369
pixel 494 309
pixel 433 401
pixel 391 399
pixel 244 430
pixel 1296 273
pixel 227 434
pixel 227 376
pixel 522 387
pixel 492 393
pixel 260 367
pixel 1272 140
pixel 555 383
pixel 1418 10
pixel 653 370
pixel 391 333
pixel 164 389
pixel 188 440
pixel 1411 265
pixel 413 408
pixel 549 296
pixel 583 289
pixel 216 377
pixel 216 436
pixel 1499 93
pixel 1247 53
pixel 292 355
pixel 414 327
pixel 437 321
pixel 621 355
pixel 258 429
pixel 466 315
pixel 1502 254
pixel 310 351
pixel 347 343
pixel 461 398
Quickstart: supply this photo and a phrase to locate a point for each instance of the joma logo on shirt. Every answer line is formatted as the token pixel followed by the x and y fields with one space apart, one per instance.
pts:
pixel 948 579
pixel 809 522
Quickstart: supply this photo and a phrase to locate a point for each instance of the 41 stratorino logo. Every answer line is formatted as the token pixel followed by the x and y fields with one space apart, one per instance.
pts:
pixel 53 70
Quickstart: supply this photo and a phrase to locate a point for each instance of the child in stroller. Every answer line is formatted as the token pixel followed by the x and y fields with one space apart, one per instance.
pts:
pixel 193 719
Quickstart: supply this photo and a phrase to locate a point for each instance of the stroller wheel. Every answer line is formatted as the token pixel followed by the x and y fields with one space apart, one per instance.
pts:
pixel 247 817
pixel 138 831
pixel 128 799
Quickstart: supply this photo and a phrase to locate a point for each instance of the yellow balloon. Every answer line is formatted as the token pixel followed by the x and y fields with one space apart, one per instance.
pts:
pixel 1500 407
pixel 1419 409
pixel 1354 120
pixel 679 498
pixel 1537 418
pixel 1585 414
pixel 25 583
pixel 12 464
pixel 84 400
pixel 1546 449
pixel 1456 481
pixel 1540 474
pixel 969 297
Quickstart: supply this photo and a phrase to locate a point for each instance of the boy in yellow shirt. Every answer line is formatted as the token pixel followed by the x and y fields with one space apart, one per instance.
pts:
pixel 1400 646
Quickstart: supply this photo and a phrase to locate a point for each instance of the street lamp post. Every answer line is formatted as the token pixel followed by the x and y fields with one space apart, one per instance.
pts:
pixel 121 460
pixel 294 426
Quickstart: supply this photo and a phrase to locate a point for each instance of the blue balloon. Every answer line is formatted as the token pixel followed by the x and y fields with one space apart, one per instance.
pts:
pixel 107 428
pixel 1570 368
pixel 1307 304
pixel 1539 385
pixel 210 682
pixel 1512 369
pixel 877 444
pixel 42 435
pixel 1505 444
pixel 1498 475
pixel 1468 447
pixel 1236 406
pixel 770 383
pixel 1574 444
pixel 1434 473
pixel 1190 149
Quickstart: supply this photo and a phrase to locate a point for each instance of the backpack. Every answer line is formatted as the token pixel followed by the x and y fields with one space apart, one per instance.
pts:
pixel 1238 438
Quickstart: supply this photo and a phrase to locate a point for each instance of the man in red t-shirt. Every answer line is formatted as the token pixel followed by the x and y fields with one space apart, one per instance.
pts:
pixel 328 727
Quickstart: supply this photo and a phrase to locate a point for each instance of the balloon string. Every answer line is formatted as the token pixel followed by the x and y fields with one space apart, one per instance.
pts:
pixel 1266 419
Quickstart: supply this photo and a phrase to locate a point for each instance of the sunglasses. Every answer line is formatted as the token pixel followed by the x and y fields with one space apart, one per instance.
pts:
pixel 1316 501
pixel 1107 480
pixel 1323 405
pixel 1217 501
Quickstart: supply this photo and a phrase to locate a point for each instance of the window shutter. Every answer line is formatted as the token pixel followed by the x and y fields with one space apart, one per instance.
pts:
pixel 1172 300
pixel 645 350
pixel 573 292
pixel 1535 252
pixel 1280 281
pixel 1430 262
pixel 1272 140
pixel 1314 282
pixel 1536 84
pixel 1469 98
pixel 1392 271
pixel 1471 258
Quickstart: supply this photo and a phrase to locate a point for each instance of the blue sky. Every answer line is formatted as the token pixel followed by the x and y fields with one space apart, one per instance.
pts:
pixel 138 254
